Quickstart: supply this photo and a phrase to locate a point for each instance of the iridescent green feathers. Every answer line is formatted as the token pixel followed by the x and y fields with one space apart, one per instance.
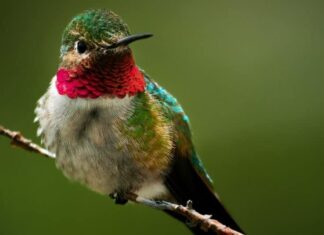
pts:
pixel 150 134
pixel 95 26
pixel 173 111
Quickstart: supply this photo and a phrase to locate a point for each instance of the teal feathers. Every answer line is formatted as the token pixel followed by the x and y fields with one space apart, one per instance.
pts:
pixel 175 112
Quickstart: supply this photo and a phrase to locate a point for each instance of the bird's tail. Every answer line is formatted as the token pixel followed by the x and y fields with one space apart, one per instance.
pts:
pixel 219 213
pixel 184 183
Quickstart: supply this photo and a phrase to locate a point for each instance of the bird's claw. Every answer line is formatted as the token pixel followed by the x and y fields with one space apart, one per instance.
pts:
pixel 119 198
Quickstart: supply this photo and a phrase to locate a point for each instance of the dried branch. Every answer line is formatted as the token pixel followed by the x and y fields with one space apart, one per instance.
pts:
pixel 17 139
pixel 204 222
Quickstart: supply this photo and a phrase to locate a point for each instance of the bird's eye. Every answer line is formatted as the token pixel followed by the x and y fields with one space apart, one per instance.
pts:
pixel 81 47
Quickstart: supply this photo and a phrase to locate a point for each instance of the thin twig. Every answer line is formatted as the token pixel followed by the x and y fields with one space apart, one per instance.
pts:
pixel 204 222
pixel 17 139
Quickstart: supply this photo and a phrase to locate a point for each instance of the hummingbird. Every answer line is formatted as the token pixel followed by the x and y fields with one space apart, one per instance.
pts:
pixel 114 129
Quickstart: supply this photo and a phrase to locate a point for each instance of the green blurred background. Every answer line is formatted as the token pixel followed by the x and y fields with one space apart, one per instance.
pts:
pixel 248 73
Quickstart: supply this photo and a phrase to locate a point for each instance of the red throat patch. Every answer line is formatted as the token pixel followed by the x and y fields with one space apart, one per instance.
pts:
pixel 117 78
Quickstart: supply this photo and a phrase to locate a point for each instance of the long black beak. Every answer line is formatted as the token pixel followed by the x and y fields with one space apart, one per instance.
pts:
pixel 129 39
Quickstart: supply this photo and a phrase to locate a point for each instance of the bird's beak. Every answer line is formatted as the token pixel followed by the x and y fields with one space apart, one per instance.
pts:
pixel 129 39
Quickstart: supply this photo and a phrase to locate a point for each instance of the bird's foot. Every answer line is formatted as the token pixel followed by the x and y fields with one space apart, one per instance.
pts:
pixel 119 198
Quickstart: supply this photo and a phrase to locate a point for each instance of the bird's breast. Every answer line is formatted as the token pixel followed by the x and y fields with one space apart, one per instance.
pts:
pixel 95 145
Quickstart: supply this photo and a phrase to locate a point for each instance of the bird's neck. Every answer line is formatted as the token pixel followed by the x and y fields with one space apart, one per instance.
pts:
pixel 117 76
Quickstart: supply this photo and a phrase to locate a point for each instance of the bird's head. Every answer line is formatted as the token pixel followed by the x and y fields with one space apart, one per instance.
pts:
pixel 96 59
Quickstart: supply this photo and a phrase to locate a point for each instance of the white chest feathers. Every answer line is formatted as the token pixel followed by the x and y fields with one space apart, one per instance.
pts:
pixel 84 136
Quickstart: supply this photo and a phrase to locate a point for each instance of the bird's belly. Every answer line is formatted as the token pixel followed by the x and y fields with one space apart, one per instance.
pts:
pixel 98 170
pixel 110 172
pixel 94 156
pixel 92 148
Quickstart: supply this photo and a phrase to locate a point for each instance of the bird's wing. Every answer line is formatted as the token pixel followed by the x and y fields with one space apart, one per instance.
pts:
pixel 183 141
pixel 188 179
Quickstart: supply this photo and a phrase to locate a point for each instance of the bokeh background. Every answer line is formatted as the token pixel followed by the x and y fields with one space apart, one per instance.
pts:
pixel 248 73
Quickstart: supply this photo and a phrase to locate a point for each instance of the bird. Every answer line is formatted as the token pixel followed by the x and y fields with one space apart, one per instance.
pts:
pixel 116 130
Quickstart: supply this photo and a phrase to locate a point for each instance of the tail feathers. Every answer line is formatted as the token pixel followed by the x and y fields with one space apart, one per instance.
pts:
pixel 185 184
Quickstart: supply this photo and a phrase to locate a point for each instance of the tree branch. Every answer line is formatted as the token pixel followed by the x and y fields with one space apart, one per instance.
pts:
pixel 204 222
pixel 17 139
